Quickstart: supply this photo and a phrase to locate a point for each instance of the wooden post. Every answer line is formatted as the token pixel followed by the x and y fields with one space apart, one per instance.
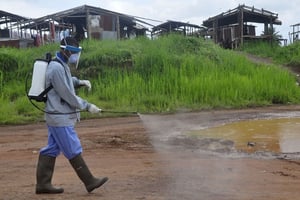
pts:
pixel 241 22
pixel 88 28
pixel 118 28
pixel 215 32
pixel 293 39
pixel 266 31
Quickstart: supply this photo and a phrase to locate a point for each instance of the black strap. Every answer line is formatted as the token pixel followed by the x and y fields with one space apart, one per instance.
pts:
pixel 42 96
pixel 57 60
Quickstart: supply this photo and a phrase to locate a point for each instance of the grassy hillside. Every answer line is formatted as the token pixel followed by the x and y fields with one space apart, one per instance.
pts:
pixel 162 75
pixel 288 55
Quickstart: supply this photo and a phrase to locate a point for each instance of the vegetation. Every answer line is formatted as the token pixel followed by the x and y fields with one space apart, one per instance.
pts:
pixel 162 75
pixel 287 55
pixel 275 37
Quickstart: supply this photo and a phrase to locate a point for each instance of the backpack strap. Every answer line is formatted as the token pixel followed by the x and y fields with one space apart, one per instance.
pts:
pixel 42 97
pixel 57 60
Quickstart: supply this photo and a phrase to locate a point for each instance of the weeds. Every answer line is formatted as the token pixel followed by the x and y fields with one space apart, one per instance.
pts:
pixel 161 75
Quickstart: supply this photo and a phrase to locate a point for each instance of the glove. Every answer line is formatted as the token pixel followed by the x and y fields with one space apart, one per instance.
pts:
pixel 93 109
pixel 86 83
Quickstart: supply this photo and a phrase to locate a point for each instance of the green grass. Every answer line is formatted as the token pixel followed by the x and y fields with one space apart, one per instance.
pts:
pixel 162 75
pixel 287 55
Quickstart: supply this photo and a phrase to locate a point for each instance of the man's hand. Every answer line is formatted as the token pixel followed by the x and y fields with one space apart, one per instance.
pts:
pixel 85 83
pixel 93 109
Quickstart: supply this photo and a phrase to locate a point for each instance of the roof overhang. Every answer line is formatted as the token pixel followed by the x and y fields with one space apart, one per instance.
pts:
pixel 76 15
pixel 250 14
pixel 6 18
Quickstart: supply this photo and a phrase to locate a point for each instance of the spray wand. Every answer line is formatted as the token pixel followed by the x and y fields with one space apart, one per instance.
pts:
pixel 119 112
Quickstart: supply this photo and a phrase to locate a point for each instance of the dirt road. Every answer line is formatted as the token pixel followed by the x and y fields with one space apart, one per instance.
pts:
pixel 147 157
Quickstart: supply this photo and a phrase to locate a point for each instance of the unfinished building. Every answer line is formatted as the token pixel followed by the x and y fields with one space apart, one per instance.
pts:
pixel 183 28
pixel 80 22
pixel 294 35
pixel 230 29
pixel 10 32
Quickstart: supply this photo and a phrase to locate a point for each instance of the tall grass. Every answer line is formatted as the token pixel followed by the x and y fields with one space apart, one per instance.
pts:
pixel 196 83
pixel 287 55
pixel 1 83
pixel 161 75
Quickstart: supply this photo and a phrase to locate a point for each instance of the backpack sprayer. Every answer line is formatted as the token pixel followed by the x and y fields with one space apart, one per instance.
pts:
pixel 38 91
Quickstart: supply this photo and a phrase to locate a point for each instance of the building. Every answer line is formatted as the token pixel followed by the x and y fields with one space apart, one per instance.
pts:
pixel 186 29
pixel 80 22
pixel 230 29
pixel 294 35
pixel 10 32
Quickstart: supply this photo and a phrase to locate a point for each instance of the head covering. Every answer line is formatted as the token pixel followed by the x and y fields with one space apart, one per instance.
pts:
pixel 71 44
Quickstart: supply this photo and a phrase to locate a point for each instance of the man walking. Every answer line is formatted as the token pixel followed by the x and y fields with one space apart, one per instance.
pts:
pixel 62 113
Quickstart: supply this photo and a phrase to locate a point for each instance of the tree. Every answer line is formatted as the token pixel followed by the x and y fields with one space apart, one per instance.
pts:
pixel 273 35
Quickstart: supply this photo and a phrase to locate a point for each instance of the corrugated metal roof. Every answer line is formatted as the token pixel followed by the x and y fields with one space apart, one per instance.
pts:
pixel 6 17
pixel 76 14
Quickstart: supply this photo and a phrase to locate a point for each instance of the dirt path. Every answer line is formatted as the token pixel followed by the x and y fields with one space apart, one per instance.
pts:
pixel 149 158
pixel 257 59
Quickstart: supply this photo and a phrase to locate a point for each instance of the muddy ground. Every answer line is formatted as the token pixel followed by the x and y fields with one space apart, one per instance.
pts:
pixel 150 157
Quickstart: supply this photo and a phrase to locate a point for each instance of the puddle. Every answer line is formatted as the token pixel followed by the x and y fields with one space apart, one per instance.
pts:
pixel 271 135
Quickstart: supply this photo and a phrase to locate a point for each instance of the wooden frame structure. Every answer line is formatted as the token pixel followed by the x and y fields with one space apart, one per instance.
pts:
pixel 294 35
pixel 186 29
pixel 81 22
pixel 230 29
pixel 9 28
